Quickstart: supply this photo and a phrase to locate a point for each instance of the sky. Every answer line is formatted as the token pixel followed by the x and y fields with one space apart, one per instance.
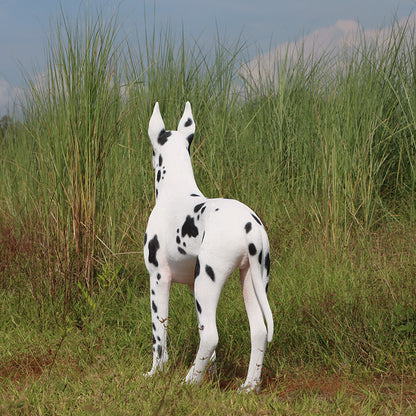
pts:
pixel 264 25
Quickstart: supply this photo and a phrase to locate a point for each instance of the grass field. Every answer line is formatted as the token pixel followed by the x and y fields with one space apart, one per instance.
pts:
pixel 324 152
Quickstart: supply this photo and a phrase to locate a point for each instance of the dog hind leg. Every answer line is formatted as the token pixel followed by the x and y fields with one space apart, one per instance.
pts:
pixel 258 332
pixel 208 286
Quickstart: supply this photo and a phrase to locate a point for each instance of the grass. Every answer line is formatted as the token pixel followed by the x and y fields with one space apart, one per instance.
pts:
pixel 324 154
pixel 326 356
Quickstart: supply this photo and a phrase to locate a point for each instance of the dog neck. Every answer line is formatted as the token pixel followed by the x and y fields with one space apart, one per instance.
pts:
pixel 174 176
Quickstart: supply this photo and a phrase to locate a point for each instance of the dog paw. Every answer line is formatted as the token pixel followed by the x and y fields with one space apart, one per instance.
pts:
pixel 151 373
pixel 248 388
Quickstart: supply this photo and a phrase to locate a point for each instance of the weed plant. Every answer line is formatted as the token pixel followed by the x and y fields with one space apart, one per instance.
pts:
pixel 324 151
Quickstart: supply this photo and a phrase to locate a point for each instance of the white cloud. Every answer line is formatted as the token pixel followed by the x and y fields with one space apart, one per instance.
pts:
pixel 343 37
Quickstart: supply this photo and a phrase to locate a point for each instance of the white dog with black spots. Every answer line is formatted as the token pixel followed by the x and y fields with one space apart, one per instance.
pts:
pixel 199 241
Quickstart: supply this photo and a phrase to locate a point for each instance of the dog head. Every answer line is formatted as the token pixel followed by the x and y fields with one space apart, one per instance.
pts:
pixel 162 138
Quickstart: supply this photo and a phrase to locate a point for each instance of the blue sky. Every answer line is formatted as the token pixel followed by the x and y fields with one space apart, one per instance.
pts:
pixel 25 24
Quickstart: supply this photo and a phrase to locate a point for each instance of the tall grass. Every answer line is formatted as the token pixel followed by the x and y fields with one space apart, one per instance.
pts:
pixel 78 167
pixel 74 115
pixel 339 133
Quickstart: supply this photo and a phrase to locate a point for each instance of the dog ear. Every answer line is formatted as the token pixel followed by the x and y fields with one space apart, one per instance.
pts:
pixel 186 124
pixel 156 124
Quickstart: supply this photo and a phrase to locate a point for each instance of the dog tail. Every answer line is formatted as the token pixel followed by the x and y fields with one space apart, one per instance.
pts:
pixel 260 271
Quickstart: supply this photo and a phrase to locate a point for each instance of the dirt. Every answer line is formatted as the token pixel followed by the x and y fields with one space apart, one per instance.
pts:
pixel 288 386
pixel 26 365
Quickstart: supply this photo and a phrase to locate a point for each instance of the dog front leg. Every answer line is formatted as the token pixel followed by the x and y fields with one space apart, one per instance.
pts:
pixel 159 304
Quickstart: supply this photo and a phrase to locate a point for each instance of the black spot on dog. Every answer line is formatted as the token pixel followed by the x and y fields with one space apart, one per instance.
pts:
pixel 145 239
pixel 267 287
pixel 252 249
pixel 178 240
pixel 197 268
pixel 153 326
pixel 189 139
pixel 153 248
pixel 181 250
pixel 267 263
pixel 154 307
pixel 217 209
pixel 163 137
pixel 203 236
pixel 188 122
pixel 158 176
pixel 210 272
pixel 189 228
pixel 247 227
pixel 195 195
pixel 198 306
pixel 198 207
pixel 153 292
pixel 260 256
pixel 154 340
pixel 257 219
pixel 159 351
